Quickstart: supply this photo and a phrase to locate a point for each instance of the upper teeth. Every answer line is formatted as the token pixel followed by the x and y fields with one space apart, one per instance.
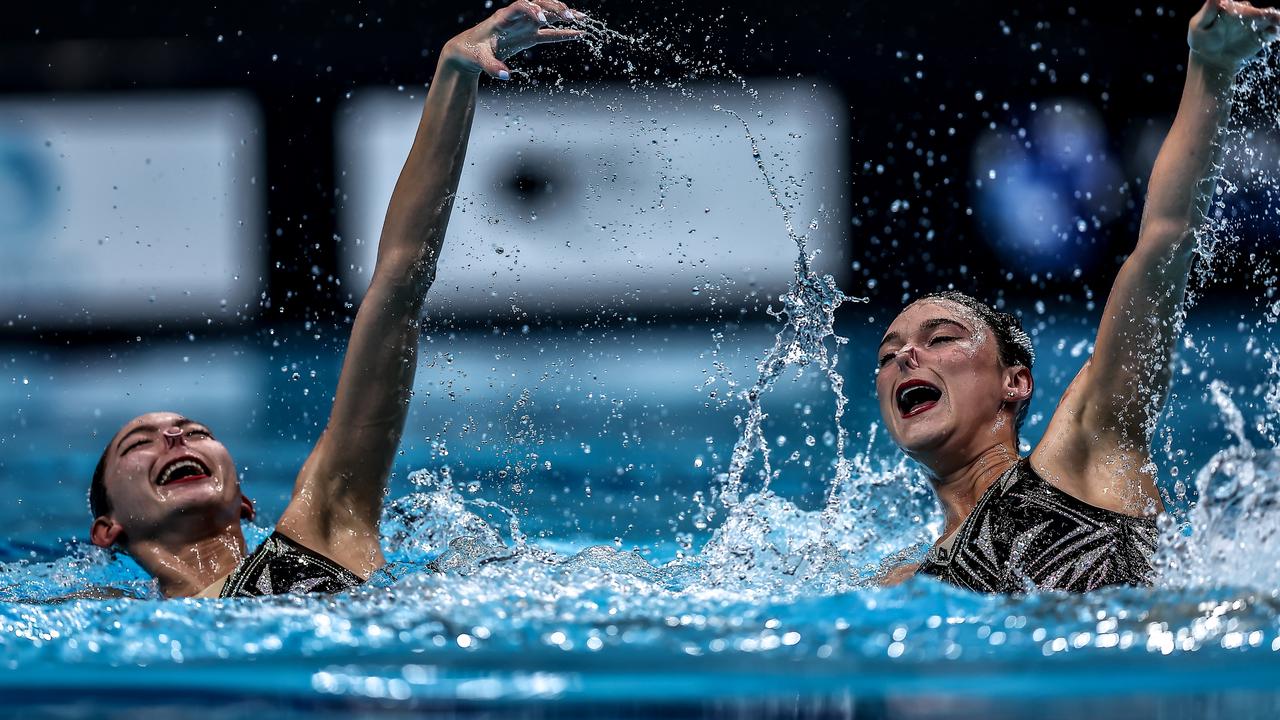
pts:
pixel 169 471
pixel 904 392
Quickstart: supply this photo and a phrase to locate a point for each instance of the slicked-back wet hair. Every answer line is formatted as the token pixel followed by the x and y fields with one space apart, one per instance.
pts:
pixel 1012 342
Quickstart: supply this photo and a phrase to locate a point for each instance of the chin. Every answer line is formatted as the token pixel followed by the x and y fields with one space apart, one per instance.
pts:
pixel 198 502
pixel 920 438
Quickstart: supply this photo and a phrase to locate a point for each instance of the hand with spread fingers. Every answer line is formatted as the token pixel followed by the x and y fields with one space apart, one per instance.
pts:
pixel 518 26
pixel 1226 34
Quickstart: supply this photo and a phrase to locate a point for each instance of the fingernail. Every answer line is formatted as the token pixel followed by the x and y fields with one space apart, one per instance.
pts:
pixel 504 75
pixel 542 17
pixel 568 15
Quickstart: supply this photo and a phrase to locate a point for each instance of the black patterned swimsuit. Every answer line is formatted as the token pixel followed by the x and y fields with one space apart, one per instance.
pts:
pixel 1025 533
pixel 280 566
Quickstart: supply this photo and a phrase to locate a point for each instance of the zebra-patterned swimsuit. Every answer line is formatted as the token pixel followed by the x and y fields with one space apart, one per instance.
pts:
pixel 1027 534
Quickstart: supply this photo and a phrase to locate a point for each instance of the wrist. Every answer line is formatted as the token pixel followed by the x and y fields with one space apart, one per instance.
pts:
pixel 1216 73
pixel 455 58
pixel 1223 67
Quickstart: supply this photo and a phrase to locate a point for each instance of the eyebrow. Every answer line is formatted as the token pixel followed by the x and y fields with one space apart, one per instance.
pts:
pixel 180 422
pixel 931 324
pixel 890 336
pixel 926 325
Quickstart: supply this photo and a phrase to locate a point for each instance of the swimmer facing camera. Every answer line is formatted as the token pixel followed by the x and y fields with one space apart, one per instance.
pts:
pixel 954 380
pixel 166 491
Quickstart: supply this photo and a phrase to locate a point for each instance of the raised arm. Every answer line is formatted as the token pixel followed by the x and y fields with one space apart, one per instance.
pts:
pixel 1112 406
pixel 1129 371
pixel 337 498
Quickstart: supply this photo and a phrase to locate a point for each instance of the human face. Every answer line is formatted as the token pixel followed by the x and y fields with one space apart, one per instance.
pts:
pixel 941 385
pixel 167 477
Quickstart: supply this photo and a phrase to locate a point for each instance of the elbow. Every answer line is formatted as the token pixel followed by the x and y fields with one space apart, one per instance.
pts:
pixel 1171 238
pixel 402 281
pixel 416 262
pixel 405 269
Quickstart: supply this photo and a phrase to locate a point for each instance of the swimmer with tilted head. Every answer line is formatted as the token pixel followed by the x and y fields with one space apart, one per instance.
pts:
pixel 955 380
pixel 166 490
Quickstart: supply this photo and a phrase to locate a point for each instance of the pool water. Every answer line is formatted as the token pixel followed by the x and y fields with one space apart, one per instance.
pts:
pixel 563 540
pixel 566 486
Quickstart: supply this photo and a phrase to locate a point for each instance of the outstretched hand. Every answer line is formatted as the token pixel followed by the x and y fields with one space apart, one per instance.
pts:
pixel 518 26
pixel 1226 34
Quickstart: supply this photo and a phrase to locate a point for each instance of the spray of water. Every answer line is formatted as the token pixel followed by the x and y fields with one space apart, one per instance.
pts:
pixel 808 313
pixel 1222 531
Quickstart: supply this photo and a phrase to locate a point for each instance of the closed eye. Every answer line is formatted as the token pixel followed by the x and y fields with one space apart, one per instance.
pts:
pixel 942 338
pixel 131 446
pixel 884 359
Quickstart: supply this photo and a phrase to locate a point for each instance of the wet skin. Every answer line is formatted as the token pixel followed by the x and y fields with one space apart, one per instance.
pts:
pixel 187 533
pixel 191 504
pixel 953 355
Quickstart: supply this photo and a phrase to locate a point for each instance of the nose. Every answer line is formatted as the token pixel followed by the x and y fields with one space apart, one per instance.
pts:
pixel 173 437
pixel 907 358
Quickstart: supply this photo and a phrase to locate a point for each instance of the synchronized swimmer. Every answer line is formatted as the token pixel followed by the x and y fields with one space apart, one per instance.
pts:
pixel 953 385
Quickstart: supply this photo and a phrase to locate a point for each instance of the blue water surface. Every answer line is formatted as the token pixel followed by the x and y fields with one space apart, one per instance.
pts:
pixel 588 460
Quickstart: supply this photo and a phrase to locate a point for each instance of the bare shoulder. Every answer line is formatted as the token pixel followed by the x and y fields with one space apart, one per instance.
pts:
pixel 352 545
pixel 1100 466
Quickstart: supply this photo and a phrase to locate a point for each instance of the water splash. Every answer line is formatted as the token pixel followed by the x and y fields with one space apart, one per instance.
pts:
pixel 808 313
pixel 457 604
pixel 775 585
pixel 809 305
pixel 1230 537
pixel 1221 534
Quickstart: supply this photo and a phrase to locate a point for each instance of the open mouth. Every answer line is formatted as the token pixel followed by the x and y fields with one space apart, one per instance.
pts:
pixel 182 470
pixel 917 396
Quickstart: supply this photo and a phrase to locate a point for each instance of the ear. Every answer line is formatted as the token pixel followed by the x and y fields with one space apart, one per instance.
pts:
pixel 247 511
pixel 1018 384
pixel 105 532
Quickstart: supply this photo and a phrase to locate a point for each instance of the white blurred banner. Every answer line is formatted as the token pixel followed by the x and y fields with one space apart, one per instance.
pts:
pixel 129 208
pixel 612 196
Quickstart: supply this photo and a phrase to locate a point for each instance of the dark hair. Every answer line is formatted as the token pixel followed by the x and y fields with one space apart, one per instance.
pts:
pixel 99 503
pixel 1012 341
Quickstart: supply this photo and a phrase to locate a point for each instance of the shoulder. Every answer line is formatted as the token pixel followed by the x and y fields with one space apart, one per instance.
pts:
pixel 1105 466
pixel 900 566
pixel 1117 482
pixel 215 589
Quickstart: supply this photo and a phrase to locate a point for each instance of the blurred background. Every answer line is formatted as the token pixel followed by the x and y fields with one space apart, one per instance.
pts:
pixel 190 199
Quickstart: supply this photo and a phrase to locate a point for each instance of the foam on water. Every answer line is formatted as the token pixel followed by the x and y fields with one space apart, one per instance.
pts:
pixel 457 595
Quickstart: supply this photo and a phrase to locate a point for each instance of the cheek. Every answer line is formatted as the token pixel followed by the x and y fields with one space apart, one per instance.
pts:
pixel 126 478
pixel 132 465
pixel 971 376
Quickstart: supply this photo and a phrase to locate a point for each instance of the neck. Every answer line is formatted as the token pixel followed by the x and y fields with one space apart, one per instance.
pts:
pixel 184 569
pixel 959 488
